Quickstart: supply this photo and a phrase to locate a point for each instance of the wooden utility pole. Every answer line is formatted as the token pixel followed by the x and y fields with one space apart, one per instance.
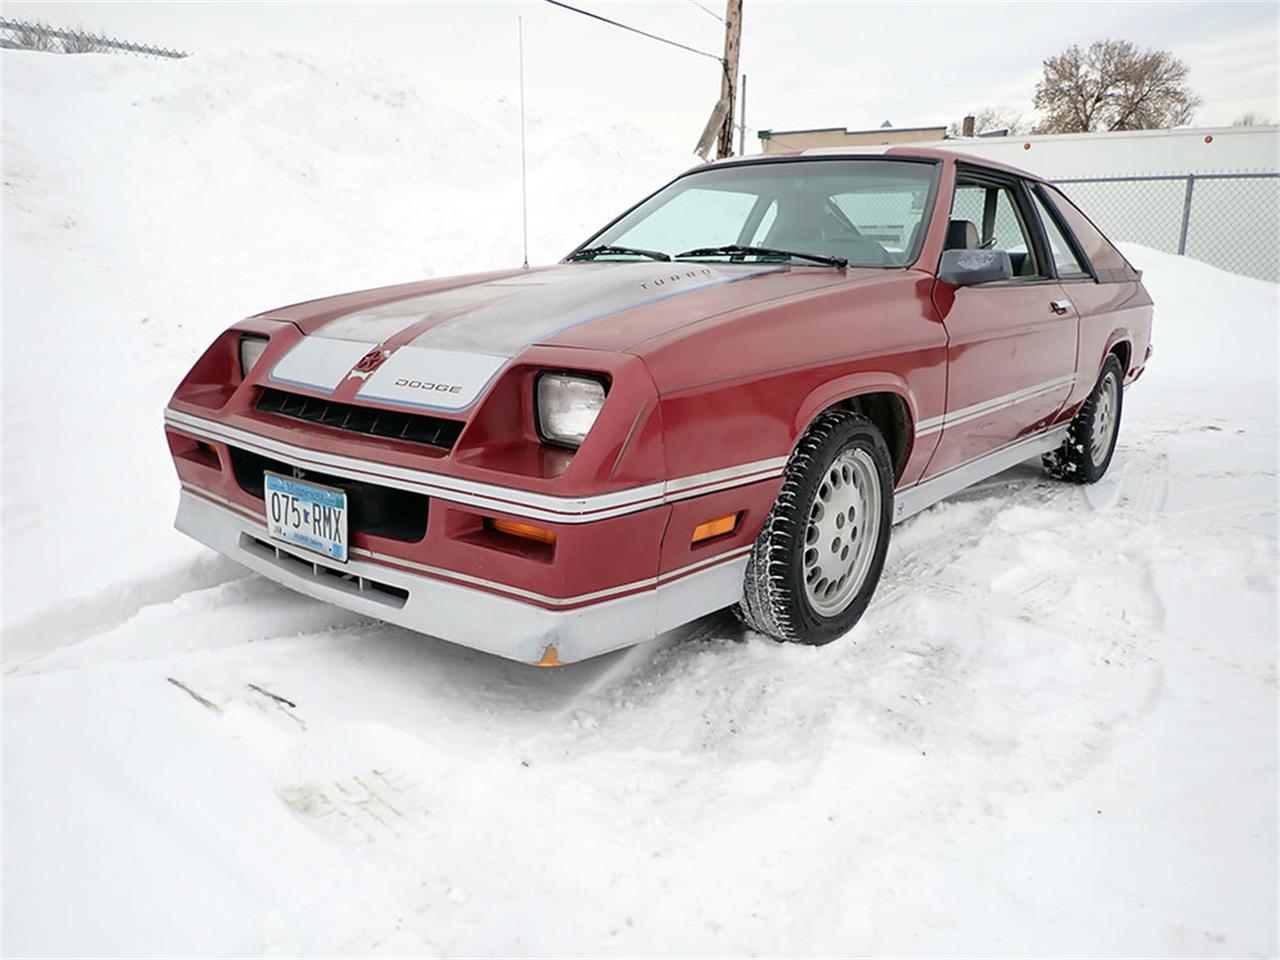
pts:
pixel 729 82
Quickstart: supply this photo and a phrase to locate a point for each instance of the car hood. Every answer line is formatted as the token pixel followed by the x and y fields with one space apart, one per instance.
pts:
pixel 461 332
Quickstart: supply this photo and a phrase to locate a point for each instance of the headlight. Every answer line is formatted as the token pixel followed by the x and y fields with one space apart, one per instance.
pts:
pixel 251 349
pixel 567 407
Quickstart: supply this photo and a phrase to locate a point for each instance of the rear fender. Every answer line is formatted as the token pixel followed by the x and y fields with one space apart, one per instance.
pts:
pixel 1118 336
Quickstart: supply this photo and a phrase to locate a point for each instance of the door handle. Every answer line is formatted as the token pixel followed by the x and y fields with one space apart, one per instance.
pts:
pixel 1060 306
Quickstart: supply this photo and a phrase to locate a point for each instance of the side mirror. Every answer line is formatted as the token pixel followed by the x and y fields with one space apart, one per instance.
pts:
pixel 967 268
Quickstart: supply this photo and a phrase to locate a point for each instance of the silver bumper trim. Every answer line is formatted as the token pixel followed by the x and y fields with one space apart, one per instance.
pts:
pixel 466 615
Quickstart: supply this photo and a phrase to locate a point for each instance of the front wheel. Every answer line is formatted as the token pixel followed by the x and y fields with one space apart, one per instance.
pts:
pixel 1091 438
pixel 819 555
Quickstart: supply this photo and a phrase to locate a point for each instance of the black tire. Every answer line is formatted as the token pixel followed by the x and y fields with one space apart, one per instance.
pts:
pixel 1091 438
pixel 781 589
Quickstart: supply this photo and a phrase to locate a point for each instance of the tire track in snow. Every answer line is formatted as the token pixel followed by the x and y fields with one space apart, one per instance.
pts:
pixel 972 598
pixel 369 807
pixel 72 620
pixel 340 794
pixel 233 610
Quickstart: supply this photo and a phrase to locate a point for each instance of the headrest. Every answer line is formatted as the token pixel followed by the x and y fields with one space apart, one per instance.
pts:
pixel 961 235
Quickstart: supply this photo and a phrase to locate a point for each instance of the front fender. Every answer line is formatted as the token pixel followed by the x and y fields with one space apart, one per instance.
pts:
pixel 847 388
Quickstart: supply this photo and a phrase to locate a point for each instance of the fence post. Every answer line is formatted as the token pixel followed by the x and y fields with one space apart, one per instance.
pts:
pixel 1186 214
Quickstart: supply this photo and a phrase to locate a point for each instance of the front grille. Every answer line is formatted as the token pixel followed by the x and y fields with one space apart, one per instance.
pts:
pixel 372 509
pixel 392 424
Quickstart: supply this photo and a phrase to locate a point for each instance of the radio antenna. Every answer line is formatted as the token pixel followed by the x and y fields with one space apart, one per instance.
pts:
pixel 524 184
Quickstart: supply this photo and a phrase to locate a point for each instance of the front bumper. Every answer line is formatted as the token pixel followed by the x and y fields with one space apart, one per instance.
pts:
pixel 462 614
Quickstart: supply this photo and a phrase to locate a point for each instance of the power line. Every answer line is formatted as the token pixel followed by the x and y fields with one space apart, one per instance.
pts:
pixel 709 13
pixel 651 36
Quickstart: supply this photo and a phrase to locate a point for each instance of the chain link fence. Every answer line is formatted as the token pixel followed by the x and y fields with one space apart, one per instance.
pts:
pixel 1230 220
pixel 26 35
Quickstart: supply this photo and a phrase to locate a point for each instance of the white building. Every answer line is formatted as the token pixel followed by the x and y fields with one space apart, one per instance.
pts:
pixel 1133 152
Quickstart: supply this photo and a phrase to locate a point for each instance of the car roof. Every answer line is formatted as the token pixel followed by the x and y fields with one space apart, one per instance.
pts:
pixel 890 152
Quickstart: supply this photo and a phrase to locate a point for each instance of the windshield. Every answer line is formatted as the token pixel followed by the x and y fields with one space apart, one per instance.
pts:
pixel 867 212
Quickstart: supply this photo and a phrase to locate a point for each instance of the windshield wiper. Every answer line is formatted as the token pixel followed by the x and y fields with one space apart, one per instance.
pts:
pixel 732 249
pixel 590 253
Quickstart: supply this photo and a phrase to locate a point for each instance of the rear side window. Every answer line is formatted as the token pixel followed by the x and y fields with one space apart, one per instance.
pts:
pixel 1064 258
pixel 1106 259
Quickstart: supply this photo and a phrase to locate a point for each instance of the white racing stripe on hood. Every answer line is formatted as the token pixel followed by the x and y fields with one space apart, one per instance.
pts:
pixel 320 363
pixel 384 321
pixel 431 379
pixel 447 366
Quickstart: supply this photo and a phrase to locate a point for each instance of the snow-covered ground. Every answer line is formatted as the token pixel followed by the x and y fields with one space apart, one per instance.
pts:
pixel 1054 733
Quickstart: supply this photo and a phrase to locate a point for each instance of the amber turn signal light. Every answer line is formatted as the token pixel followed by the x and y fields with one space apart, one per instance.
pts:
pixel 715 528
pixel 525 531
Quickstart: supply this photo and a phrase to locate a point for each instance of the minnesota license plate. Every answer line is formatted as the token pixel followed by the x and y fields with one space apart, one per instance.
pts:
pixel 307 515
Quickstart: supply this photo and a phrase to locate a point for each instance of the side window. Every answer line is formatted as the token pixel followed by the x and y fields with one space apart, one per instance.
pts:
pixel 696 218
pixel 1064 258
pixel 967 206
pixel 986 216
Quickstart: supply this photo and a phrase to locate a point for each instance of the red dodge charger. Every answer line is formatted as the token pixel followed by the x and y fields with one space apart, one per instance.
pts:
pixel 727 396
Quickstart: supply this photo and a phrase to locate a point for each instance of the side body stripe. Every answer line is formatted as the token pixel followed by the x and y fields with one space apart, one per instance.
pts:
pixel 540 506
pixel 994 405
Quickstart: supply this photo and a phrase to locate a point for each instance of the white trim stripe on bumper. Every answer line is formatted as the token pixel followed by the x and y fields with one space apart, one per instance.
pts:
pixel 535 506
pixel 492 585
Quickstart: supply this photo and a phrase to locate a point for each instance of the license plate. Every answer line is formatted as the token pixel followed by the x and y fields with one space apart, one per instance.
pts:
pixel 307 515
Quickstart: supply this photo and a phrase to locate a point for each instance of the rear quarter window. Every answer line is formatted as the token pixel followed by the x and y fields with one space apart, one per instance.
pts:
pixel 1108 262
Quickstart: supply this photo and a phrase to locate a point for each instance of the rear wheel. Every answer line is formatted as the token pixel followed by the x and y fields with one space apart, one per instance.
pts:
pixel 1091 438
pixel 819 555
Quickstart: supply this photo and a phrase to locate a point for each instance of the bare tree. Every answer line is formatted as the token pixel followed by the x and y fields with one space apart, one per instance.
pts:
pixel 1251 119
pixel 992 118
pixel 1113 86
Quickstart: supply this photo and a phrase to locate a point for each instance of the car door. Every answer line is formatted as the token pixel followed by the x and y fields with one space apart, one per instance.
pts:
pixel 1011 355
pixel 1102 286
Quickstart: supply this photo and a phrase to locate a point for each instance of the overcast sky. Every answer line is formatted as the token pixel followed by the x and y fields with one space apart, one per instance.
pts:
pixel 810 64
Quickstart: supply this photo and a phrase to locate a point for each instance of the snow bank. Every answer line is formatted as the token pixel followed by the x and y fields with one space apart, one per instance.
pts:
pixel 1211 325
pixel 1053 733
pixel 148 204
